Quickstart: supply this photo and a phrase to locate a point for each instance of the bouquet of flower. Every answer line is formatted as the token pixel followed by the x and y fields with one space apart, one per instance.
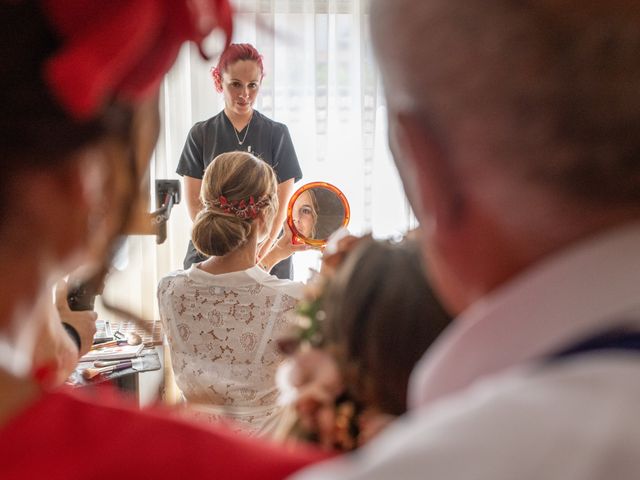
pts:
pixel 307 334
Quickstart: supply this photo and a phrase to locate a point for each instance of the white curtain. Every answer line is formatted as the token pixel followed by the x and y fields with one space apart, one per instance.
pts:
pixel 322 82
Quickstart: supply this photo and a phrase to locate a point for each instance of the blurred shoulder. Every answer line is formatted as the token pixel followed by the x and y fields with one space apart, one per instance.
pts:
pixel 146 444
pixel 510 426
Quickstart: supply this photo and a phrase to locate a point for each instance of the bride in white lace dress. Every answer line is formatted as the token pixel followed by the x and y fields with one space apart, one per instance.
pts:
pixel 222 316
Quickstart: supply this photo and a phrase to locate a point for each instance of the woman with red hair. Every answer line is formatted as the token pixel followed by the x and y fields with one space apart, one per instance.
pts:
pixel 78 122
pixel 239 126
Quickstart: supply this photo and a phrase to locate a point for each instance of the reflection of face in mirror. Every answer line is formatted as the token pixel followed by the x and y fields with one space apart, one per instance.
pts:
pixel 315 211
pixel 305 214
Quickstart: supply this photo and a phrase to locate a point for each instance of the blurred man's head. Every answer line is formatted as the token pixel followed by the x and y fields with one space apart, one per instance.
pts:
pixel 515 127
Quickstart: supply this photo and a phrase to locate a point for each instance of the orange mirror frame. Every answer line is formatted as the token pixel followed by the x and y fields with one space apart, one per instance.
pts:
pixel 316 242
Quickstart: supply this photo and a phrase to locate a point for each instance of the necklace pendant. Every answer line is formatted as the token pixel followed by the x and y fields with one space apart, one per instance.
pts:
pixel 240 142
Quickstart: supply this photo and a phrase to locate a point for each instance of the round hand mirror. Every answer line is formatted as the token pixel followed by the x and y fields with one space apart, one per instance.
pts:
pixel 315 211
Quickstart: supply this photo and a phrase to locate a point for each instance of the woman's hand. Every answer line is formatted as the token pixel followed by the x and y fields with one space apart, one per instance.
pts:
pixel 287 245
pixel 284 248
pixel 55 350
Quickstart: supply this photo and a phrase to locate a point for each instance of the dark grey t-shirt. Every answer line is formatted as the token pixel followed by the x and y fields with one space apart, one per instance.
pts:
pixel 263 137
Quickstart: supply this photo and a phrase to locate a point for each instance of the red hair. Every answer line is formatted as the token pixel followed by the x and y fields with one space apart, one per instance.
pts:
pixel 232 54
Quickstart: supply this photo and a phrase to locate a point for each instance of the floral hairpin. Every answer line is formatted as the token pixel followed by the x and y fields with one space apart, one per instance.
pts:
pixel 242 209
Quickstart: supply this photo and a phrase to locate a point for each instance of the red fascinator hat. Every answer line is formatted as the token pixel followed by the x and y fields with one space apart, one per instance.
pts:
pixel 123 48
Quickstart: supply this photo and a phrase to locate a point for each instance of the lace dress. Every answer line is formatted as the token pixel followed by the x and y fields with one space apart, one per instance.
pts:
pixel 221 331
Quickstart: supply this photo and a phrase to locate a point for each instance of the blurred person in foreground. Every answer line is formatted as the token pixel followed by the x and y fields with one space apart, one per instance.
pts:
pixel 515 127
pixel 374 330
pixel 78 123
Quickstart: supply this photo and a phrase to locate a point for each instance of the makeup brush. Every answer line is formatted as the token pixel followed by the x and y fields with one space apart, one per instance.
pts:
pixel 106 363
pixel 132 339
pixel 89 373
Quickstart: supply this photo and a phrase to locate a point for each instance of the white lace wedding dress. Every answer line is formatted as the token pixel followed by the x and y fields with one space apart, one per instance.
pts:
pixel 222 332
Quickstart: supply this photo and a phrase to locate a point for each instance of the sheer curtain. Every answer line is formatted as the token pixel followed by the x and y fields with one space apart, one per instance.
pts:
pixel 322 82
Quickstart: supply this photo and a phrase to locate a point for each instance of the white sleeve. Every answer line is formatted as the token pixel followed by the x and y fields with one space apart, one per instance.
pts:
pixel 569 425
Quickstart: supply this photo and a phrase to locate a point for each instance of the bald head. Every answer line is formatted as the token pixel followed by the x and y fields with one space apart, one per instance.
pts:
pixel 548 90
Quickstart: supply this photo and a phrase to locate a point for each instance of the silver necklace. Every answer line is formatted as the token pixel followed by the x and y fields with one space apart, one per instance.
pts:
pixel 240 142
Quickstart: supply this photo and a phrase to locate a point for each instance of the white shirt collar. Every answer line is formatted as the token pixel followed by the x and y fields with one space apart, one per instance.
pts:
pixel 583 289
pixel 230 279
pixel 249 276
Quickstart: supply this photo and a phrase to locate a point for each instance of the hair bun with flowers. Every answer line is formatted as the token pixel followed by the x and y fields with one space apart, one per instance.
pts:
pixel 244 209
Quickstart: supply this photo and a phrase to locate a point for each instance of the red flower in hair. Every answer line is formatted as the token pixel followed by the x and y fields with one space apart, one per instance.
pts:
pixel 241 209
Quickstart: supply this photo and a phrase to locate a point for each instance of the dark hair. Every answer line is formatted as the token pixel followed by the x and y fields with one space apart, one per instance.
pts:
pixel 381 316
pixel 232 54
